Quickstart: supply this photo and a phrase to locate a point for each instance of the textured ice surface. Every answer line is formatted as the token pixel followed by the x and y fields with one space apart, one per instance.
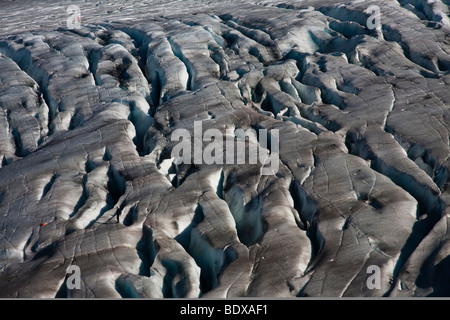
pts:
pixel 87 116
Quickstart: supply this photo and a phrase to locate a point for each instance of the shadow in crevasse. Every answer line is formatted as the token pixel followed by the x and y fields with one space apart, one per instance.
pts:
pixel 441 279
pixel 435 276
